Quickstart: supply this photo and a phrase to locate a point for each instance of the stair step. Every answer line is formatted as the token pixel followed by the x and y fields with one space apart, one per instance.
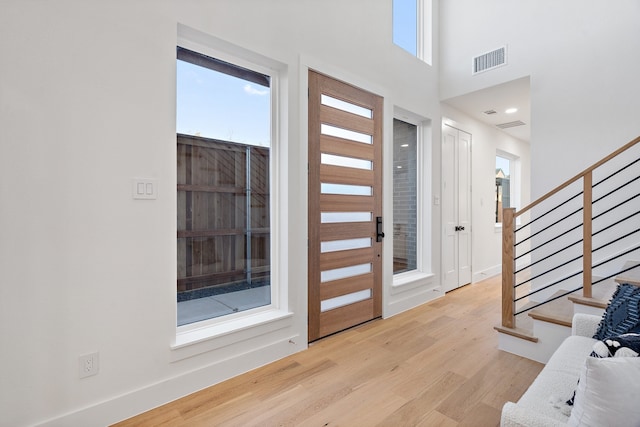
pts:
pixel 517 332
pixel 559 311
pixel 591 302
pixel 600 295
pixel 631 276
pixel 558 319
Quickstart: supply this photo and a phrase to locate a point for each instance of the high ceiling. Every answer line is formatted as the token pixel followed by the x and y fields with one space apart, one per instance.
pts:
pixel 513 94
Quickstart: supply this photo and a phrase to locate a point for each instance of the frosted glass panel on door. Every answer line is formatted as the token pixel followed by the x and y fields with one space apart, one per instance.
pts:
pixel 333 217
pixel 347 162
pixel 345 245
pixel 344 272
pixel 342 300
pixel 345 106
pixel 349 190
pixel 345 134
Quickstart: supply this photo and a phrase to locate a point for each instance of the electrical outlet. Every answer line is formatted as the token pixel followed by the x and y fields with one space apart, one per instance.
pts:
pixel 88 364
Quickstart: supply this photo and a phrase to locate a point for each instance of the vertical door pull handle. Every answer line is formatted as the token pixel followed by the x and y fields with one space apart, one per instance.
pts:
pixel 379 232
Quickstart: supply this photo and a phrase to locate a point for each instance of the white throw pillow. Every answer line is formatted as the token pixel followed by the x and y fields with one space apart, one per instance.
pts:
pixel 608 393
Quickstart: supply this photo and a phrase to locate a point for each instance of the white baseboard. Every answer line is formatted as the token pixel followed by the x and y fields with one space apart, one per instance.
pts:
pixel 479 276
pixel 412 300
pixel 144 399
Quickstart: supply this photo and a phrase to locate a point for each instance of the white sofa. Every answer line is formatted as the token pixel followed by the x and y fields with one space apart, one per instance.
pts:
pixel 543 404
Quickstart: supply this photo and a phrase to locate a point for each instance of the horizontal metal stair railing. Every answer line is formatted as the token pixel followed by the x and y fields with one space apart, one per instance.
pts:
pixel 532 247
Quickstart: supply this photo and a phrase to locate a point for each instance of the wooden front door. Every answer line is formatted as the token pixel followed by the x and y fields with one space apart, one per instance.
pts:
pixel 345 206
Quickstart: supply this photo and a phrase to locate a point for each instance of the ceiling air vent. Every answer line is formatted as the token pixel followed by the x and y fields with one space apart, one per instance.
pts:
pixel 489 112
pixel 490 60
pixel 511 124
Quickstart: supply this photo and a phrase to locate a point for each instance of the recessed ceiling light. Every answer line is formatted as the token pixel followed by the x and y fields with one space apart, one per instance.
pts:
pixel 404 145
pixel 398 167
pixel 510 110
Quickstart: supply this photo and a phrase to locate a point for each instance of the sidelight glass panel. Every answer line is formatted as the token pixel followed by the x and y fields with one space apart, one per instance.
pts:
pixel 405 196
pixel 334 217
pixel 352 135
pixel 347 162
pixel 342 300
pixel 345 106
pixel 349 190
pixel 344 272
pixel 345 245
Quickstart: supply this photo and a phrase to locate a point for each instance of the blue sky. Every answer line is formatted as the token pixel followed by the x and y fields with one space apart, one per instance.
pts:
pixel 405 19
pixel 502 163
pixel 216 105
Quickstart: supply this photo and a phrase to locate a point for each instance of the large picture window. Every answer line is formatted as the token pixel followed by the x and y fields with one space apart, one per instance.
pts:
pixel 223 188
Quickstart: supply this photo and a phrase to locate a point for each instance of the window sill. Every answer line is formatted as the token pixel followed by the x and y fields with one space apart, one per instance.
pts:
pixel 211 337
pixel 410 280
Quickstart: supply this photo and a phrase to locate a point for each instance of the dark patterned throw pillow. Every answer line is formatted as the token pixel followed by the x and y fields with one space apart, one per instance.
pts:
pixel 622 314
pixel 618 330
pixel 625 345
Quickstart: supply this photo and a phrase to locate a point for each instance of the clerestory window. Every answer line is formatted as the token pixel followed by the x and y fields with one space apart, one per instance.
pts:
pixel 412 27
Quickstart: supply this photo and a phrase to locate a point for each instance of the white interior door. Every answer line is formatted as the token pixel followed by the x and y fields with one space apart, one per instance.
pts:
pixel 456 207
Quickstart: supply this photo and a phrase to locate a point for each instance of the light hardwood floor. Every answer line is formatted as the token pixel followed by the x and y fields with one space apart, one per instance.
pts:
pixel 435 365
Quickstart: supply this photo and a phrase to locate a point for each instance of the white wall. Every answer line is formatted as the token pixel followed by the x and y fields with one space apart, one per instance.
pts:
pixel 581 56
pixel 486 245
pixel 87 102
pixel 583 68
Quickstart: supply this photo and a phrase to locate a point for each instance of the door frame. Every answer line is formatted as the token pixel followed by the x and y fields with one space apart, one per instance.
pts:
pixel 455 125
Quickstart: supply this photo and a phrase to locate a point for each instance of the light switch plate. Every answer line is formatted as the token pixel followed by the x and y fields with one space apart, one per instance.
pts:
pixel 144 188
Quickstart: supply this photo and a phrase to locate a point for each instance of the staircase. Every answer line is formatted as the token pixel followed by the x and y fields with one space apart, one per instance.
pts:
pixel 566 252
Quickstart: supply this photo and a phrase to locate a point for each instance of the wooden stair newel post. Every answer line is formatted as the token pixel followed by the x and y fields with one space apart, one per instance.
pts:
pixel 508 261
pixel 586 235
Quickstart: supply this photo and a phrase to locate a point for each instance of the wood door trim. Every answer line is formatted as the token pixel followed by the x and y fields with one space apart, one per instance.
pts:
pixel 345 317
pixel 342 203
pixel 340 175
pixel 332 260
pixel 345 286
pixel 314 209
pixel 349 230
pixel 346 121
pixel 344 147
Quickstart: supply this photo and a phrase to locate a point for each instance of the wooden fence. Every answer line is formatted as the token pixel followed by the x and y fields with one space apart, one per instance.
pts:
pixel 223 213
